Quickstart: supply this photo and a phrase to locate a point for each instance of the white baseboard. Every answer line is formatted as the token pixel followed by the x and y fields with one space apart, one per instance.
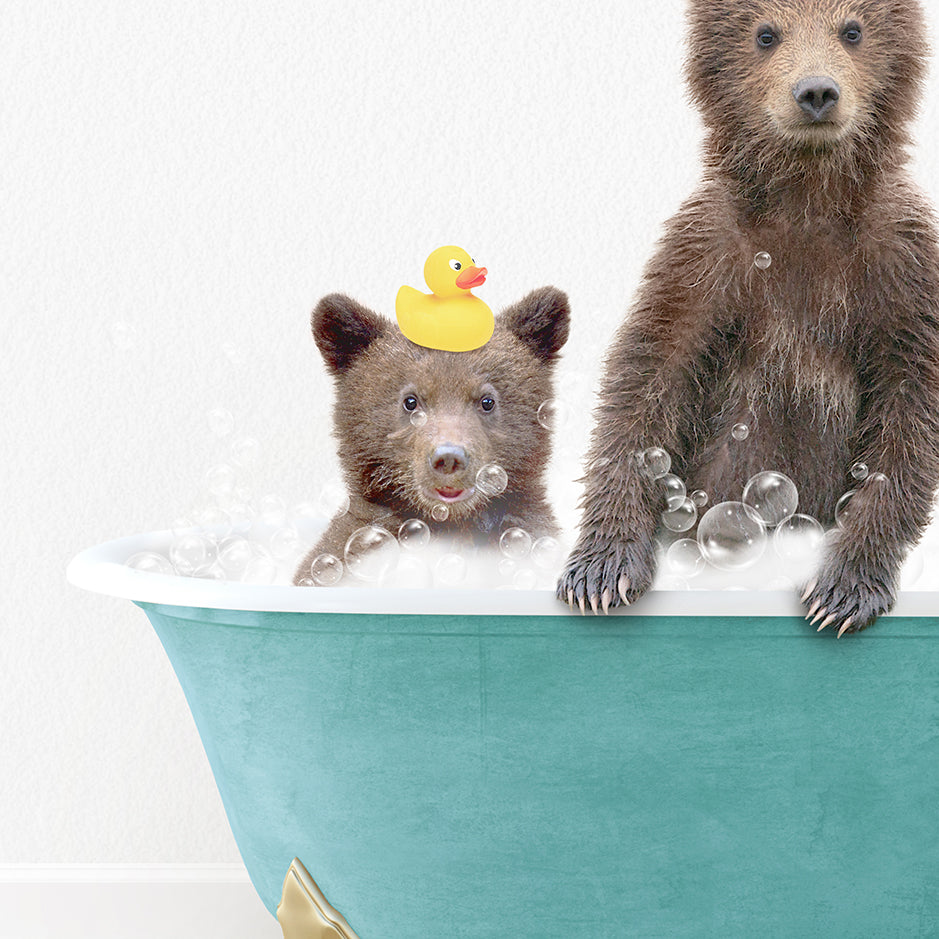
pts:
pixel 124 901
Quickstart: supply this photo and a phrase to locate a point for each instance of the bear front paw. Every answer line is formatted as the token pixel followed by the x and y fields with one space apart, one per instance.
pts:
pixel 846 599
pixel 606 575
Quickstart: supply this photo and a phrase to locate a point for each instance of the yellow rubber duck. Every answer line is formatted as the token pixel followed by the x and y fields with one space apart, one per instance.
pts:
pixel 449 318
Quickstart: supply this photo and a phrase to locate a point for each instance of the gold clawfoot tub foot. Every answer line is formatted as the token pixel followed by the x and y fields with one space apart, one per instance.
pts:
pixel 303 911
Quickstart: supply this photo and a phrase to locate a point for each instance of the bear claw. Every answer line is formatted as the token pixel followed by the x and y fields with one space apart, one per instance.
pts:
pixel 607 575
pixel 818 615
pixel 848 597
pixel 828 621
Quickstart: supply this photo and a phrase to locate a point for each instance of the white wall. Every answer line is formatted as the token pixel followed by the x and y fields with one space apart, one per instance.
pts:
pixel 187 179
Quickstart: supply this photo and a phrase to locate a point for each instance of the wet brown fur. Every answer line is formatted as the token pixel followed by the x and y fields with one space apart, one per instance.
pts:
pixel 385 457
pixel 831 355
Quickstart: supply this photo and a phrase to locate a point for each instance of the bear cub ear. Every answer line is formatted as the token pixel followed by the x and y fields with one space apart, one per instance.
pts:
pixel 343 330
pixel 541 320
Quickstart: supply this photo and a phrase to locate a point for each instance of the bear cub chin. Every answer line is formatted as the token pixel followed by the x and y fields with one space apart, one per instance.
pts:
pixel 797 293
pixel 415 425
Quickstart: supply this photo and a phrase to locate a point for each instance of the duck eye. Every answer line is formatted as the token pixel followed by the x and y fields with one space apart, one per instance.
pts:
pixel 487 402
pixel 851 33
pixel 455 265
pixel 766 37
pixel 410 402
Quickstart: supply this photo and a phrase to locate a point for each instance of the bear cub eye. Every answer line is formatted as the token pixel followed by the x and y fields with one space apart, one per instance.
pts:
pixel 851 33
pixel 410 402
pixel 487 402
pixel 766 37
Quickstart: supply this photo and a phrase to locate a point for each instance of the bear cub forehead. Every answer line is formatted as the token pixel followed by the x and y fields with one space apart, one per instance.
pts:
pixel 399 370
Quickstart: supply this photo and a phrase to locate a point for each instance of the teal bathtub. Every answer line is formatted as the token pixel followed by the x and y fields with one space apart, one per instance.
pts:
pixel 454 764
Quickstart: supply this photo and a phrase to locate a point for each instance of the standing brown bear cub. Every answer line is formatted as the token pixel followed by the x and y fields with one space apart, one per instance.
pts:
pixel 416 425
pixel 830 355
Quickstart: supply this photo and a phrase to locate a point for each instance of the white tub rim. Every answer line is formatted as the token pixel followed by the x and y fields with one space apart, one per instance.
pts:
pixel 102 569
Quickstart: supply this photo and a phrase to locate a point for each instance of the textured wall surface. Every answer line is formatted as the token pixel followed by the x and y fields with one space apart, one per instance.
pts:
pixel 180 183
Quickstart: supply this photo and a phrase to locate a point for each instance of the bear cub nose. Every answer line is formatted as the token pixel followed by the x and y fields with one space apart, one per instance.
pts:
pixel 817 96
pixel 448 459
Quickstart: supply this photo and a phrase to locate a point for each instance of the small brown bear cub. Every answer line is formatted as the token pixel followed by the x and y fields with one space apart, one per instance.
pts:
pixel 415 425
pixel 830 355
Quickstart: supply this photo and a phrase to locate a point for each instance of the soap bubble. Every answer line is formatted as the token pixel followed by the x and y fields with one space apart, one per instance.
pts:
pixel 700 498
pixel 326 570
pixel 492 479
pixel 245 450
pixel 190 551
pixel 546 552
pixel 740 432
pixel 672 582
pixel 552 414
pixel 221 421
pixel 412 573
pixel 209 572
pixel 797 536
pixel 220 480
pixel 440 512
pixel 781 584
pixel 242 516
pixel 507 568
pixel 370 553
pixel 763 260
pixel 684 557
pixel 525 579
pixel 305 582
pixel 181 525
pixel 772 496
pixel 260 570
pixel 214 521
pixel 333 500
pixel 681 518
pixel 731 536
pixel 286 543
pixel 450 570
pixel 419 418
pixel 655 461
pixel 123 335
pixel 272 510
pixel 303 513
pixel 234 555
pixel 673 488
pixel 876 479
pixel 150 562
pixel 860 471
pixel 842 508
pixel 413 534
pixel 515 543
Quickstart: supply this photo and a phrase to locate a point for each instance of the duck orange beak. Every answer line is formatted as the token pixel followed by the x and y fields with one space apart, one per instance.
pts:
pixel 471 277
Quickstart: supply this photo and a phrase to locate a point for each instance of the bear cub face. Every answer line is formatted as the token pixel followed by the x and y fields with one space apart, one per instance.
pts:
pixel 805 75
pixel 415 426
